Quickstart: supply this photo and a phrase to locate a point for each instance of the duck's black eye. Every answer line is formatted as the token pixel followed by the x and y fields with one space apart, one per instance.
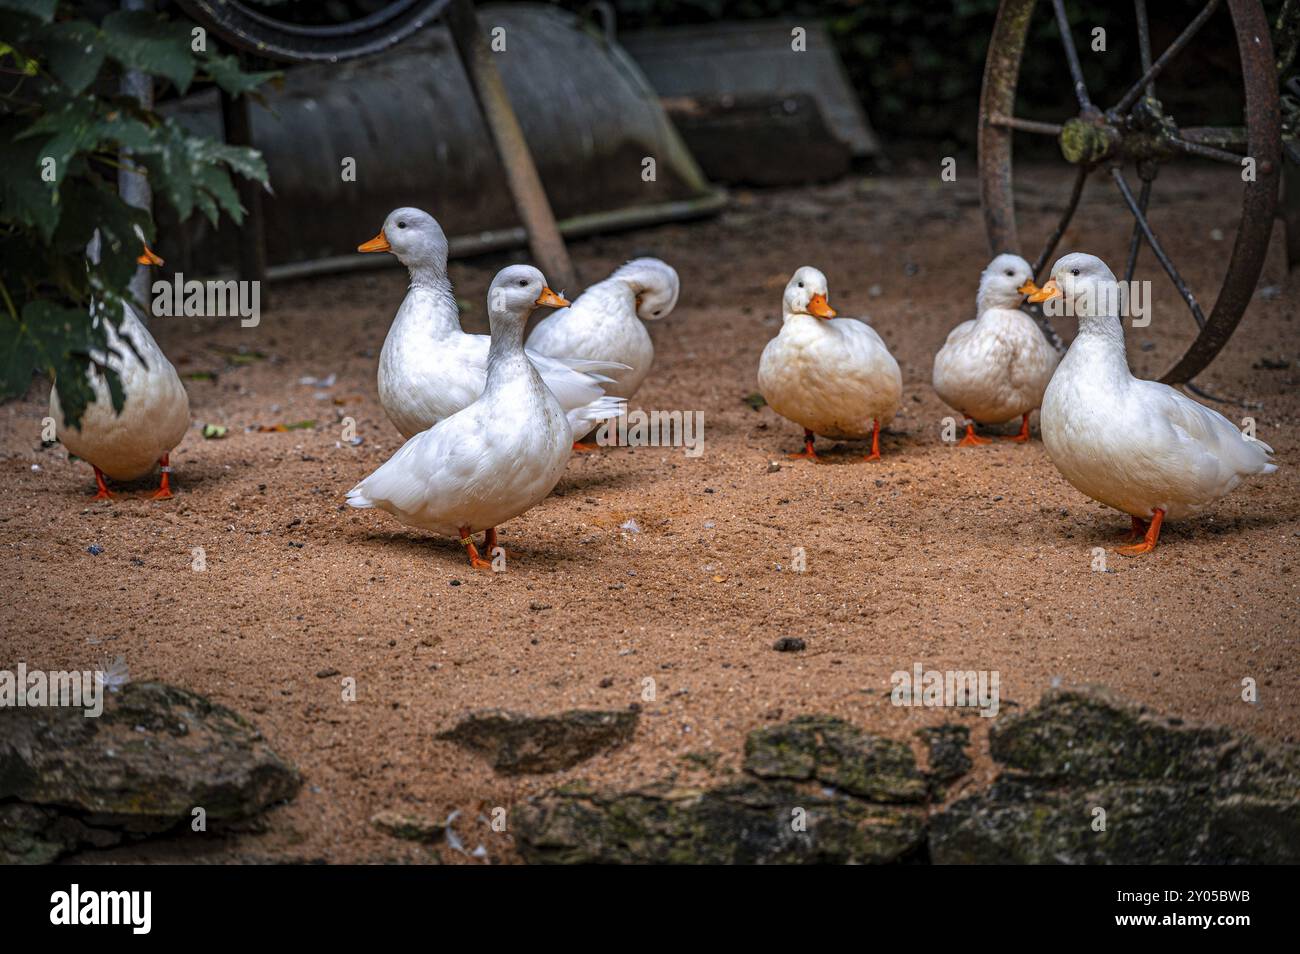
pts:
pixel 1074 271
pixel 656 314
pixel 1009 273
pixel 401 225
pixel 801 284
pixel 523 282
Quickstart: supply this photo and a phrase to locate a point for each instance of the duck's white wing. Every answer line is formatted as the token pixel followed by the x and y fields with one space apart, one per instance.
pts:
pixel 578 386
pixel 424 469
pixel 960 332
pixel 1213 452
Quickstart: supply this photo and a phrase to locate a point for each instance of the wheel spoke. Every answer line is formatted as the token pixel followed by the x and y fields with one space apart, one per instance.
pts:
pixel 1026 125
pixel 1072 56
pixel 1144 41
pixel 1209 396
pixel 1224 137
pixel 1205 152
pixel 1149 75
pixel 1079 178
pixel 1135 243
pixel 1157 248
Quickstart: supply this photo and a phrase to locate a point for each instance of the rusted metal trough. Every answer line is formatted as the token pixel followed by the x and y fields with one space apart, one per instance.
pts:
pixel 406 122
pixel 757 102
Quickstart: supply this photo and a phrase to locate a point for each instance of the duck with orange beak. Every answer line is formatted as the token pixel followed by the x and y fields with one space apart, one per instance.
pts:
pixel 430 368
pixel 154 418
pixel 995 367
pixel 833 376
pixel 1138 446
pixel 498 457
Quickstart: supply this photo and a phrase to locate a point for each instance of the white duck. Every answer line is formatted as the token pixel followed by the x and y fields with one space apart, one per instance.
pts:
pixel 604 323
pixel 154 418
pixel 496 458
pixel 429 368
pixel 995 367
pixel 1138 446
pixel 835 376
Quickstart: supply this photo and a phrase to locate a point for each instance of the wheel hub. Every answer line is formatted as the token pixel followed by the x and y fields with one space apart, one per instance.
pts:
pixel 1142 136
pixel 1087 140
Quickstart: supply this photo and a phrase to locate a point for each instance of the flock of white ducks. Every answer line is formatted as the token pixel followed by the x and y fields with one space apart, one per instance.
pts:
pixel 490 423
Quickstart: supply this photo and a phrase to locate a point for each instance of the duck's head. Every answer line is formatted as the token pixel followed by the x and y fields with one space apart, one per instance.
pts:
pixel 808 294
pixel 655 284
pixel 517 290
pixel 1081 281
pixel 1005 282
pixel 414 236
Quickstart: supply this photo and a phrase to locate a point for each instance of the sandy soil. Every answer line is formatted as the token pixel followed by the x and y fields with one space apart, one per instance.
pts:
pixel 952 557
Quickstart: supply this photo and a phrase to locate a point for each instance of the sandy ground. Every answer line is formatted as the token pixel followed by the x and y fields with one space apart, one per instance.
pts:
pixel 952 557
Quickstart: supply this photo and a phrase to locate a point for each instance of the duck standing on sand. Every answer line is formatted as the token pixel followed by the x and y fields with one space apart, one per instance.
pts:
pixel 606 322
pixel 1138 446
pixel 155 415
pixel 496 458
pixel 834 376
pixel 995 367
pixel 429 368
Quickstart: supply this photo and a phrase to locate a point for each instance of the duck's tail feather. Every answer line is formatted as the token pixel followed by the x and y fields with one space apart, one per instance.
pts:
pixel 357 498
pixel 583 419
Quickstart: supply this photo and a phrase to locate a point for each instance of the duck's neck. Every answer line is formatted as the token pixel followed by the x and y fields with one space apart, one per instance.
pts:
pixel 430 304
pixel 1100 341
pixel 506 359
pixel 989 300
pixel 788 316
pixel 640 277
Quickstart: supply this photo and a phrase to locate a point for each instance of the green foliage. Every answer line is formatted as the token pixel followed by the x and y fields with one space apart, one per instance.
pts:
pixel 66 132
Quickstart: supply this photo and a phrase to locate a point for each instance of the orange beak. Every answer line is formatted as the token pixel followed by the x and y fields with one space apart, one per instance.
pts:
pixel 548 297
pixel 1028 288
pixel 819 306
pixel 377 244
pixel 1049 290
pixel 149 257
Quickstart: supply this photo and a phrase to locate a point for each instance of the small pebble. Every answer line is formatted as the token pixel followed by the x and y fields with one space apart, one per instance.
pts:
pixel 789 644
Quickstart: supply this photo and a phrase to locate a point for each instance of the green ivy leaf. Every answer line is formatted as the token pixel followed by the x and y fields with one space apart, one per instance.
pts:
pixel 75 54
pixel 143 41
pixel 43 10
pixel 217 185
pixel 27 198
pixel 225 72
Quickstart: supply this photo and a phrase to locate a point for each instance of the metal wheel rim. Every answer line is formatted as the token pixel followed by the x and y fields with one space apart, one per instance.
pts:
pixel 254 31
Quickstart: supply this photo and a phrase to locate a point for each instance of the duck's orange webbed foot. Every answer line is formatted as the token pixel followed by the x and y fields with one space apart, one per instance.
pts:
pixel 101 492
pixel 1023 436
pixel 582 448
pixel 972 439
pixel 475 561
pixel 1149 540
pixel 490 545
pixel 875 441
pixel 164 491
pixel 808 452
pixel 1138 532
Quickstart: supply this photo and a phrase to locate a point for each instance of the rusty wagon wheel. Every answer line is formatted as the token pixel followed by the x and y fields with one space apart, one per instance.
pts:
pixel 257 27
pixel 1136 129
